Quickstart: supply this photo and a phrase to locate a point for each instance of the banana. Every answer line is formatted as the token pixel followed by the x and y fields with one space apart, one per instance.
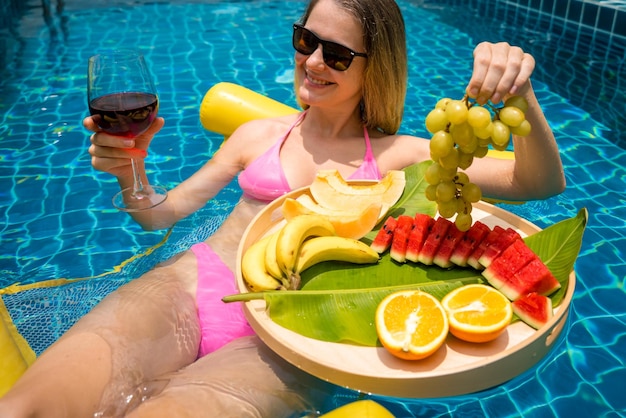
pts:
pixel 318 249
pixel 253 267
pixel 271 264
pixel 291 237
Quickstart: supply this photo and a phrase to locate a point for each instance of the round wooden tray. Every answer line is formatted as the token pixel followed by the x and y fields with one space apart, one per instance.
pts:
pixel 456 368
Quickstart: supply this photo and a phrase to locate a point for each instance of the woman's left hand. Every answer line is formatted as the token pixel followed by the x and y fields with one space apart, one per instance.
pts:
pixel 500 70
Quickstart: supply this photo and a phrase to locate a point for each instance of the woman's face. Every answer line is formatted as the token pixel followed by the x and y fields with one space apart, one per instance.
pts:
pixel 317 83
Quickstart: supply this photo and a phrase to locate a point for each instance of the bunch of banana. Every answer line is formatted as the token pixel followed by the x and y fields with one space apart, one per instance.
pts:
pixel 276 261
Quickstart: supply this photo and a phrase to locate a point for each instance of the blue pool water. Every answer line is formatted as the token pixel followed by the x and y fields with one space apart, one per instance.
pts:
pixel 58 221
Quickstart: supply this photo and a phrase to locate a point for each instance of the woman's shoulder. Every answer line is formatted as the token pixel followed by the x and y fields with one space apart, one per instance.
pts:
pixel 399 150
pixel 260 131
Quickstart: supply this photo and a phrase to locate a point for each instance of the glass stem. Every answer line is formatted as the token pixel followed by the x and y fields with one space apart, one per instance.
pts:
pixel 138 187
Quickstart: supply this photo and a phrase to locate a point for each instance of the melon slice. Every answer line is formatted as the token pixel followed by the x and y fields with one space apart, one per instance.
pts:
pixel 383 238
pixel 449 243
pixel 401 238
pixel 468 243
pixel 509 262
pixel 347 224
pixel 493 235
pixel 433 241
pixel 534 309
pixel 329 189
pixel 422 224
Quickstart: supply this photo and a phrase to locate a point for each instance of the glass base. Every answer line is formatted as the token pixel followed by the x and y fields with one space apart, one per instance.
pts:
pixel 129 200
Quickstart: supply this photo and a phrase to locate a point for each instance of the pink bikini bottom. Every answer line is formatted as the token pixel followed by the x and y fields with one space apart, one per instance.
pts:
pixel 220 322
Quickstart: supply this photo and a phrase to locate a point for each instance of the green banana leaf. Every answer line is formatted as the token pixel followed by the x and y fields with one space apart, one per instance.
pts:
pixel 338 301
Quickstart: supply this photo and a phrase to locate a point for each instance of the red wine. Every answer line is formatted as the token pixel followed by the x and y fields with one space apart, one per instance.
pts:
pixel 124 114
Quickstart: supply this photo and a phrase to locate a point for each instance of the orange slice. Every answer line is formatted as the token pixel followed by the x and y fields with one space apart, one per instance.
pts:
pixel 411 324
pixel 477 313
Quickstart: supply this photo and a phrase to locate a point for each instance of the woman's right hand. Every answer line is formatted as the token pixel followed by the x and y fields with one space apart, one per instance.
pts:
pixel 112 154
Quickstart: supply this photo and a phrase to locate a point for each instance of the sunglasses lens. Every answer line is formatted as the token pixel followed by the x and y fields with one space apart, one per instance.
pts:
pixel 335 56
pixel 304 41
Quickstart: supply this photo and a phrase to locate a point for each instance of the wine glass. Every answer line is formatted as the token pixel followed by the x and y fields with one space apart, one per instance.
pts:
pixel 123 101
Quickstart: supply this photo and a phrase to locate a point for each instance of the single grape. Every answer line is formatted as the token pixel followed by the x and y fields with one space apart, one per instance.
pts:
pixel 431 192
pixel 456 111
pixel 465 160
pixel 442 103
pixel 471 192
pixel 447 174
pixel 481 151
pixel 441 144
pixel 511 115
pixel 450 161
pixel 436 120
pixel 432 174
pixel 518 102
pixel 523 129
pixel 502 147
pixel 484 142
pixel 484 133
pixel 461 178
pixel 462 134
pixel 463 206
pixel 446 190
pixel 463 221
pixel 501 133
pixel 447 209
pixel 478 117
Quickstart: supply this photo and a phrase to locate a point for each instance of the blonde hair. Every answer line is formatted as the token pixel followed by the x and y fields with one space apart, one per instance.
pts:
pixel 385 77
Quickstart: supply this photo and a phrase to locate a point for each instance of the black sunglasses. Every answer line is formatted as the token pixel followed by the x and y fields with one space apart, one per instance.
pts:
pixel 336 56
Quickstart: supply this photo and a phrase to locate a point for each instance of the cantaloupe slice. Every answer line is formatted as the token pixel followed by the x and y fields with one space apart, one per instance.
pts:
pixel 330 190
pixel 347 223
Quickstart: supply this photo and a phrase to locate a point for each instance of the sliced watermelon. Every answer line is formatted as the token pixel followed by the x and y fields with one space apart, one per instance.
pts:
pixel 433 240
pixel 422 224
pixel 509 262
pixel 493 235
pixel 534 309
pixel 533 277
pixel 449 243
pixel 401 238
pixel 502 242
pixel 468 243
pixel 382 241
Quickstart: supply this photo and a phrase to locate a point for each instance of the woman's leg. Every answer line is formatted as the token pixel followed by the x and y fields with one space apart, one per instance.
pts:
pixel 144 329
pixel 242 379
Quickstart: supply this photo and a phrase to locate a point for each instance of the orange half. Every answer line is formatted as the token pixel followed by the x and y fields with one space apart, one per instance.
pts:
pixel 477 313
pixel 411 324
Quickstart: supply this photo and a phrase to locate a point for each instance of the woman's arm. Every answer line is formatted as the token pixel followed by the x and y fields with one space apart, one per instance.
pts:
pixel 501 70
pixel 112 154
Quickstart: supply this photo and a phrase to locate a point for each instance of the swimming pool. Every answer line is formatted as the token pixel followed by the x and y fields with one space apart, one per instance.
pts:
pixel 59 222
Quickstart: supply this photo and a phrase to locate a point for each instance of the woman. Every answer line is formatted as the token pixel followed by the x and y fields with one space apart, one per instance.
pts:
pixel 137 352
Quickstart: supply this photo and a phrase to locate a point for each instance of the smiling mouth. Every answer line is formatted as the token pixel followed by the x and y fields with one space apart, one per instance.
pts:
pixel 316 81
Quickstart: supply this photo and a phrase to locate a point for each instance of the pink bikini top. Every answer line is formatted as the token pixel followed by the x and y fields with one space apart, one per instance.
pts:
pixel 264 179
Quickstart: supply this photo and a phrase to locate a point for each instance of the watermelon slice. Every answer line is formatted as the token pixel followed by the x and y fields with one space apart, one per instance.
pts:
pixel 509 262
pixel 493 235
pixel 449 243
pixel 468 243
pixel 502 242
pixel 422 224
pixel 433 241
pixel 383 239
pixel 534 309
pixel 401 238
pixel 533 277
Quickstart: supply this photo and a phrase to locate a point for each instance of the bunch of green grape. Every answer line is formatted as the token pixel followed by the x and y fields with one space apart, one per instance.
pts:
pixel 463 130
